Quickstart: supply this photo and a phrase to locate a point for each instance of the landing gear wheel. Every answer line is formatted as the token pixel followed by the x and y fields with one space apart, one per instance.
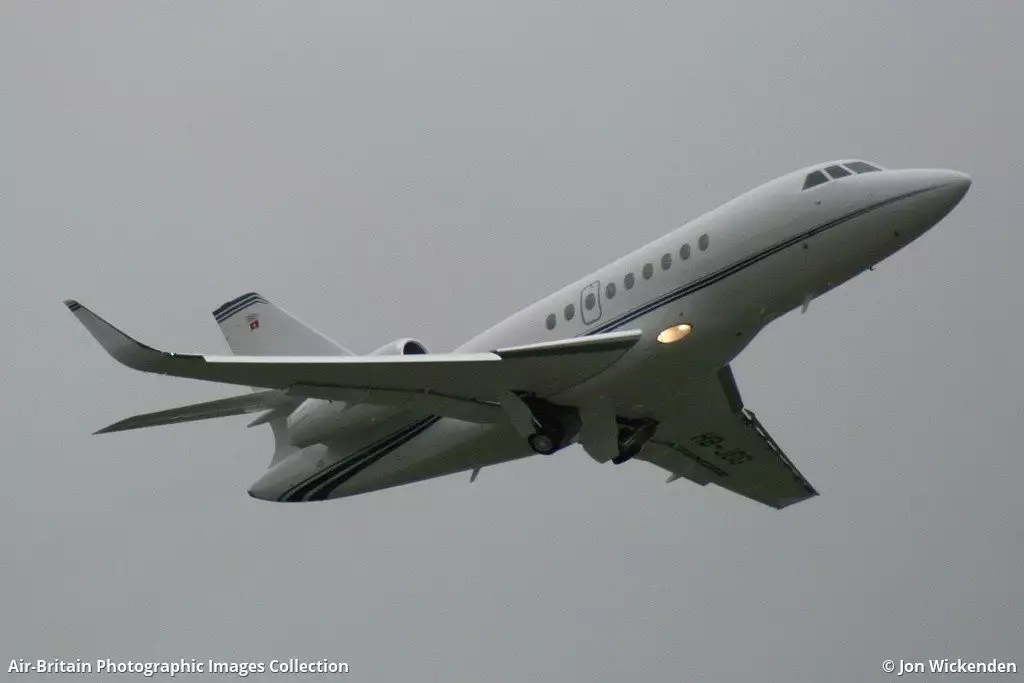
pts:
pixel 625 454
pixel 622 457
pixel 543 443
pixel 632 440
pixel 555 426
pixel 547 439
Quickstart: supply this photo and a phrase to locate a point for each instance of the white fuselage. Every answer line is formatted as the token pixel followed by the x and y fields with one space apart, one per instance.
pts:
pixel 727 274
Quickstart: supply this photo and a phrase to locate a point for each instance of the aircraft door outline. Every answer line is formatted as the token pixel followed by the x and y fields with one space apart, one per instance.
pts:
pixel 590 302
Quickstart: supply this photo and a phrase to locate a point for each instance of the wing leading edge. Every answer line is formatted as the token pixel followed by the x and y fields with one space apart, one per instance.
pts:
pixel 468 386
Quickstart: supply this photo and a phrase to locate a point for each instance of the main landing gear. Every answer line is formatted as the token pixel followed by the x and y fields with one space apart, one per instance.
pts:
pixel 633 436
pixel 555 427
pixel 545 442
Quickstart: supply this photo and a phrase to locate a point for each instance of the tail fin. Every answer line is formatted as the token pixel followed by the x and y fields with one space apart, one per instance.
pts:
pixel 253 326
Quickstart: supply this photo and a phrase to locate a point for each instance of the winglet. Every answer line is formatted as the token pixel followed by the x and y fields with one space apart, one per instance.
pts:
pixel 119 345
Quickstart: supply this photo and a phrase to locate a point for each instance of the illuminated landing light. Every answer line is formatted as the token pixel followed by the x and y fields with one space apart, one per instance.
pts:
pixel 675 333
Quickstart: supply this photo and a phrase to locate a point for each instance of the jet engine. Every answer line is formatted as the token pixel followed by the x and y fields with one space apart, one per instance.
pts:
pixel 406 346
pixel 318 420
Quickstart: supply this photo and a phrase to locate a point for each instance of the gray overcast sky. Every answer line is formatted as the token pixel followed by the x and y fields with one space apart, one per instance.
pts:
pixel 426 169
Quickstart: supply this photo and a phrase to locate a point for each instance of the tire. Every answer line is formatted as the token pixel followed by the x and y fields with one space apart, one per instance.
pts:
pixel 621 458
pixel 543 443
pixel 632 442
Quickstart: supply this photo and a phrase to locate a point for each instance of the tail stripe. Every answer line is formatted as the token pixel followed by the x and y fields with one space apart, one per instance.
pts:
pixel 223 307
pixel 269 330
pixel 231 308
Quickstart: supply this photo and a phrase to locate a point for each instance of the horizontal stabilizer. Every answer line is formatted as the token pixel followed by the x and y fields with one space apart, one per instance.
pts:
pixel 225 407
pixel 540 369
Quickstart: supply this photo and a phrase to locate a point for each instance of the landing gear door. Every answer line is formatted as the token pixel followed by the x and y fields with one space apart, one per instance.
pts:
pixel 590 303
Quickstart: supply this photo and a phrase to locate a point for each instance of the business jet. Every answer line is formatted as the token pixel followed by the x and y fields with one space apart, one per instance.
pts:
pixel 632 362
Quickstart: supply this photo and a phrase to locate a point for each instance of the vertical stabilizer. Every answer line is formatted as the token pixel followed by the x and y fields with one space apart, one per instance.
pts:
pixel 253 326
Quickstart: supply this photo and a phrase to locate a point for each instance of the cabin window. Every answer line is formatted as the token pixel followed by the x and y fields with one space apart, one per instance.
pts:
pixel 590 301
pixel 648 271
pixel 836 171
pixel 816 178
pixel 684 252
pixel 629 280
pixel 666 261
pixel 703 242
pixel 550 322
pixel 861 167
pixel 570 311
pixel 609 290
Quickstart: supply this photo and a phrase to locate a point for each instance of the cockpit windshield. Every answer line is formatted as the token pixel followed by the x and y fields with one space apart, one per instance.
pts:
pixel 836 171
pixel 861 167
pixel 816 178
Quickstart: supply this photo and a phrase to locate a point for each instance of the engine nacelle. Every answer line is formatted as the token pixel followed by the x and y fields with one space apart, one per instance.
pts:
pixel 407 346
pixel 317 420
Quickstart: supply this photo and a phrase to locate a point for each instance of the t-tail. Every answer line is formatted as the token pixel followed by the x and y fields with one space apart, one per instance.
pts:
pixel 253 326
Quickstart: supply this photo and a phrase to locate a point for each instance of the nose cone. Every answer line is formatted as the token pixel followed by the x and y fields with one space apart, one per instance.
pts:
pixel 943 190
pixel 951 188
pixel 943 187
pixel 954 186
pixel 924 196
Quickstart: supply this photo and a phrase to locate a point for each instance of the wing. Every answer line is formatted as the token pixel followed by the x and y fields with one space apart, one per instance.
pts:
pixel 711 438
pixel 467 386
pixel 257 402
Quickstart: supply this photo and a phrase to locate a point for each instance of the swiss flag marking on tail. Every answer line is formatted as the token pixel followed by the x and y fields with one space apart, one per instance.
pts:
pixel 254 324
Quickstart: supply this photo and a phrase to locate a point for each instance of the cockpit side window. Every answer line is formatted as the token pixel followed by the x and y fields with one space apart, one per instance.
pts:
pixel 861 167
pixel 836 171
pixel 816 178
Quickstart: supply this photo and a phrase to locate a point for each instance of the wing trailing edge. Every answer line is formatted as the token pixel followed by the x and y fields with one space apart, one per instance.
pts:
pixel 272 400
pixel 468 383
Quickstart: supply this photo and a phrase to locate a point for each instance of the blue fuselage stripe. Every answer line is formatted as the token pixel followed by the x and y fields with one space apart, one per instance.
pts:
pixel 326 477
